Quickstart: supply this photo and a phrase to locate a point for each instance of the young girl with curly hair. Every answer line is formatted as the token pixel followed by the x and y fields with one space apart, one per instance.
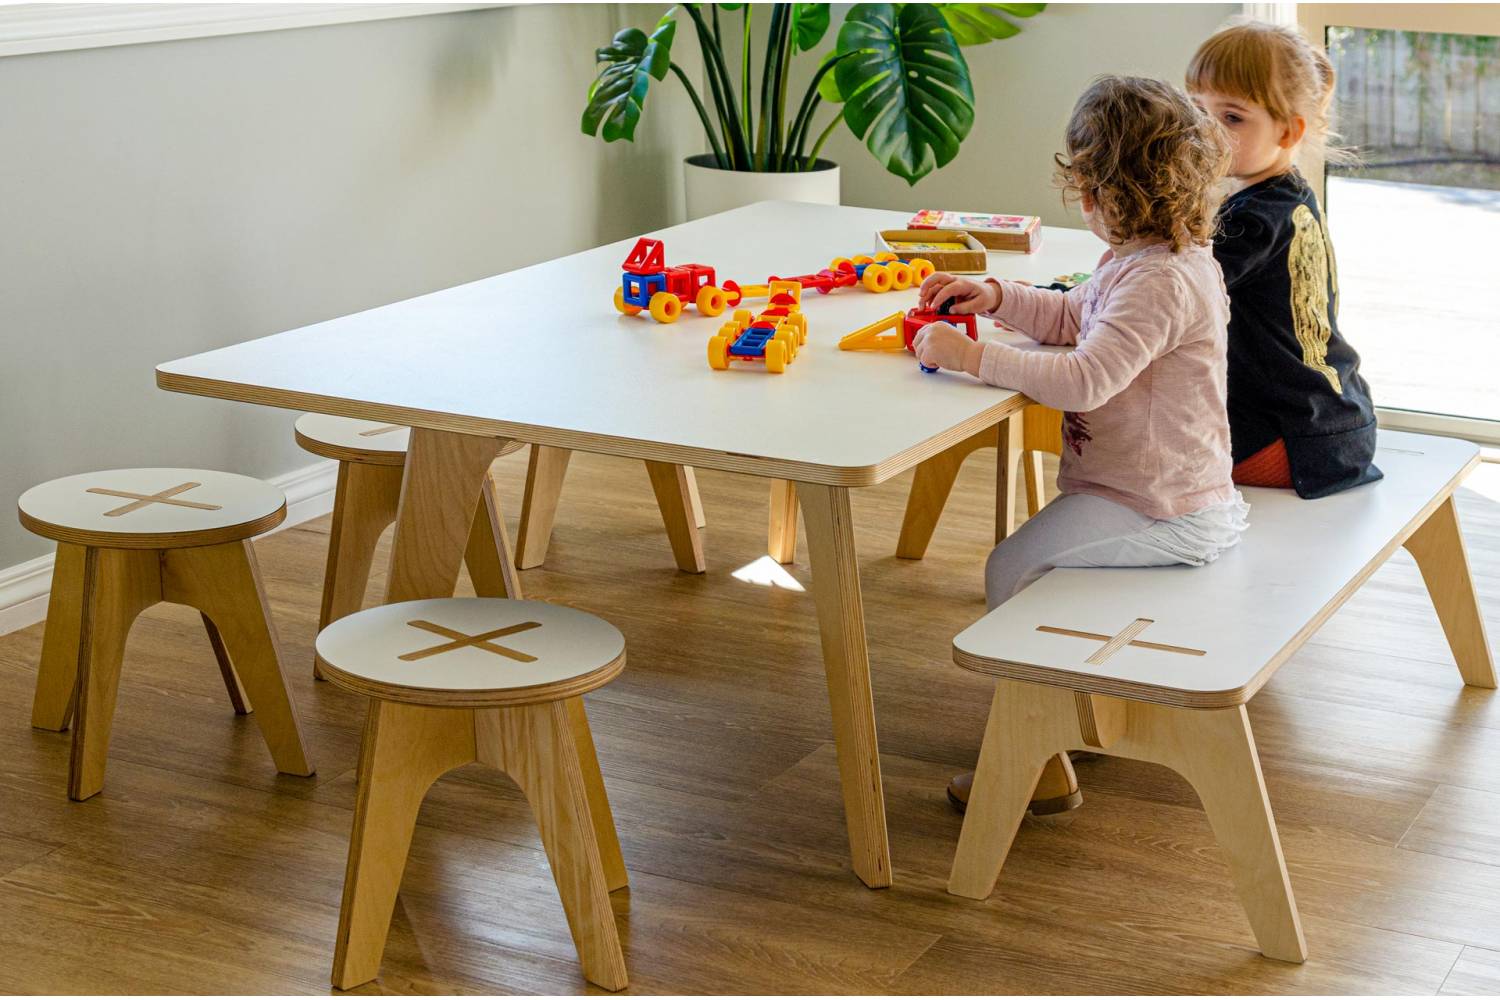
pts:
pixel 1300 414
pixel 1145 474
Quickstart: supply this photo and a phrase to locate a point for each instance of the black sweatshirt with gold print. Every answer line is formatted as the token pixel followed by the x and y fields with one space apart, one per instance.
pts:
pixel 1291 374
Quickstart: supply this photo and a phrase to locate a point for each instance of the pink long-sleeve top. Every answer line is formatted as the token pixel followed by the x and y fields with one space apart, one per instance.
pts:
pixel 1143 392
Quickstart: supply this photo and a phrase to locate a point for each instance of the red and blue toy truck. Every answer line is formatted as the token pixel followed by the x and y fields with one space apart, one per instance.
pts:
pixel 647 283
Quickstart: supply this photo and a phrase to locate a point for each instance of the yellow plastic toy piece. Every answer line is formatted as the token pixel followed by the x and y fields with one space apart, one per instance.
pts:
pixel 900 274
pixel 787 334
pixel 711 301
pixel 885 256
pixel 863 258
pixel 718 351
pixel 623 306
pixel 792 288
pixel 877 278
pixel 776 356
pixel 742 318
pixel 881 335
pixel 665 307
pixel 837 261
pixel 921 269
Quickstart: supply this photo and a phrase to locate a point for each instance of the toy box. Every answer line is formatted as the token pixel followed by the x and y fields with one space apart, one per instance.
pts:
pixel 1021 233
pixel 949 250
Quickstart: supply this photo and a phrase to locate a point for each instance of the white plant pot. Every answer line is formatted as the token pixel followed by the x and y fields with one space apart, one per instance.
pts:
pixel 711 190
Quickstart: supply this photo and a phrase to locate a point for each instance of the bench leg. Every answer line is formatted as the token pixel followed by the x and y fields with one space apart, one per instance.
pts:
pixel 406 748
pixel 537 747
pixel 232 683
pixel 1212 748
pixel 1438 548
pixel 545 470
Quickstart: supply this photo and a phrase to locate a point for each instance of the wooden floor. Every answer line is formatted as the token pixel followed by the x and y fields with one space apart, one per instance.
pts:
pixel 200 870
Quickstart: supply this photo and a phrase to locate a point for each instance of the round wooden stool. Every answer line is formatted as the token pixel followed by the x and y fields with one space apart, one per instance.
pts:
pixel 371 458
pixel 128 539
pixel 457 680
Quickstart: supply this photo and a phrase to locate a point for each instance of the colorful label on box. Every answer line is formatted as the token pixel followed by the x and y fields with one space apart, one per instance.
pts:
pixel 931 218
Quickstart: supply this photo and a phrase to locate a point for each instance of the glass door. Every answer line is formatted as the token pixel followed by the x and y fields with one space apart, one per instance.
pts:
pixel 1416 221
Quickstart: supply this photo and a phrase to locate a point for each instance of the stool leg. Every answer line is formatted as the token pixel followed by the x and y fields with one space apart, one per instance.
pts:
pixel 545 470
pixel 57 673
pixel 406 748
pixel 364 505
pixel 670 483
pixel 223 582
pixel 615 876
pixel 491 560
pixel 534 744
pixel 237 696
pixel 118 584
pixel 781 535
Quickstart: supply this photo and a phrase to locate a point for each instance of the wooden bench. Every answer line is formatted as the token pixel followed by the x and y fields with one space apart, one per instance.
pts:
pixel 1157 664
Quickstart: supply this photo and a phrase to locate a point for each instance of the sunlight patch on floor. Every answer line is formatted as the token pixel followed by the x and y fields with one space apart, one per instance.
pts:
pixel 767 572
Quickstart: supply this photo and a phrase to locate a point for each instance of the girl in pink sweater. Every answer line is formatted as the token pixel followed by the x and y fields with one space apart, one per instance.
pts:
pixel 1145 473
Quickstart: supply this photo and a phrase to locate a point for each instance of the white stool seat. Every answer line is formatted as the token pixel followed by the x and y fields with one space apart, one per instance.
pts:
pixel 350 440
pixel 152 508
pixel 471 652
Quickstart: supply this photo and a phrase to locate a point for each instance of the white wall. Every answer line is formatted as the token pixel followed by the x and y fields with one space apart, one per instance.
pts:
pixel 160 200
pixel 1024 89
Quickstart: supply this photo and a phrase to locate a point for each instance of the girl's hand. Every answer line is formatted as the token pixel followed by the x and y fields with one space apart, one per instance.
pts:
pixel 943 345
pixel 969 295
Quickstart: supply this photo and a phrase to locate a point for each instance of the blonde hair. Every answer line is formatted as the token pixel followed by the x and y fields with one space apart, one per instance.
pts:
pixel 1274 66
pixel 1149 157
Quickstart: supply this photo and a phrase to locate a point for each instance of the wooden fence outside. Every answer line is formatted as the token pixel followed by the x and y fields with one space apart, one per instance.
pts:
pixel 1417 95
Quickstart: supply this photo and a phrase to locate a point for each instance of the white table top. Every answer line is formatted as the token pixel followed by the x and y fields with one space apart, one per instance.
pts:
pixel 1247 612
pixel 541 355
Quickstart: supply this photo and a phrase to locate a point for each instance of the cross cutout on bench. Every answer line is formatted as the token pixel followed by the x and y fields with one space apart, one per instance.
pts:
pixel 1114 643
pixel 145 500
pixel 480 641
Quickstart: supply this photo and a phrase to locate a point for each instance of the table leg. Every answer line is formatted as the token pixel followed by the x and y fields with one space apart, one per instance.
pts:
pixel 1007 464
pixel 544 479
pixel 439 493
pixel 846 660
pixel 672 485
pixel 781 534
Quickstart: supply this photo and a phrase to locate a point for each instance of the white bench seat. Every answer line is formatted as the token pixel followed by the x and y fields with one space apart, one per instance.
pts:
pixel 1243 615
pixel 1157 664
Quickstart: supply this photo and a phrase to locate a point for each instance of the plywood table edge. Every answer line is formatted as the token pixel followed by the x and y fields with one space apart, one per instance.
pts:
pixel 852 476
pixel 1229 697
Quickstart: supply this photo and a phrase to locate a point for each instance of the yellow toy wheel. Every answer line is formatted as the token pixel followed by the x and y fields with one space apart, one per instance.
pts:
pixel 787 335
pixel 718 352
pixel 876 279
pixel 921 270
pixel 839 262
pixel 900 274
pixel 776 356
pixel 863 258
pixel 623 306
pixel 743 318
pixel 711 301
pixel 885 256
pixel 665 307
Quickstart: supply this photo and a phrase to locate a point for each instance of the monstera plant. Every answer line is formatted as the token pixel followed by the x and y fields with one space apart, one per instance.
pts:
pixel 895 75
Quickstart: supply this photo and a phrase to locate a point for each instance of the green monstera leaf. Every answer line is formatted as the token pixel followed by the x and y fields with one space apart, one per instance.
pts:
pixel 978 23
pixel 809 24
pixel 627 66
pixel 905 85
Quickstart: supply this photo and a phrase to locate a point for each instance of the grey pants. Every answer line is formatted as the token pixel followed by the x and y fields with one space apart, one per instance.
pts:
pixel 1075 530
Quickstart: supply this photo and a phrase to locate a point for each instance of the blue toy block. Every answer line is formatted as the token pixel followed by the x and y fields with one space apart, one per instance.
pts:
pixel 640 287
pixel 752 343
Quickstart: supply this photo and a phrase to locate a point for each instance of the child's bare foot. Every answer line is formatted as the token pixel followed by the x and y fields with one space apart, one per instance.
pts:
pixel 1056 792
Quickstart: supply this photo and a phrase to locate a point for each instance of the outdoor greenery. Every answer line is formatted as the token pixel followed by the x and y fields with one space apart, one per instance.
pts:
pixel 895 75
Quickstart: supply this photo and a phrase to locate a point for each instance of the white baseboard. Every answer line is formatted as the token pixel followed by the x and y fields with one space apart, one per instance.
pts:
pixel 24 587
